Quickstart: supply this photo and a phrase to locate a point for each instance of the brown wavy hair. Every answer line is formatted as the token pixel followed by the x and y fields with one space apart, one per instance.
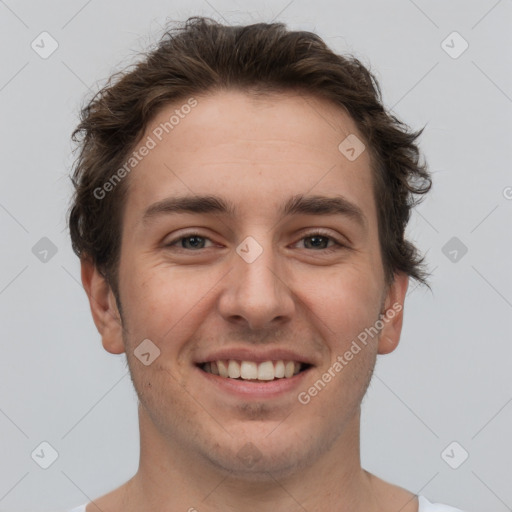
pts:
pixel 201 55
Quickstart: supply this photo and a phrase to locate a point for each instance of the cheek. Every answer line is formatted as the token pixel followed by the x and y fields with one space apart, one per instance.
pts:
pixel 165 398
pixel 157 298
pixel 346 301
pixel 167 306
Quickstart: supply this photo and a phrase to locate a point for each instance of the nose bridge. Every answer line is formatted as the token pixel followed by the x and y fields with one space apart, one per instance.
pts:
pixel 256 292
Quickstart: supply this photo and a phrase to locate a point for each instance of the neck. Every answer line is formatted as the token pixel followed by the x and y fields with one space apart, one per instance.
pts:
pixel 171 477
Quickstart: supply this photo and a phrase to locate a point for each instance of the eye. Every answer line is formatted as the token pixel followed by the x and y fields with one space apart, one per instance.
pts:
pixel 318 241
pixel 192 241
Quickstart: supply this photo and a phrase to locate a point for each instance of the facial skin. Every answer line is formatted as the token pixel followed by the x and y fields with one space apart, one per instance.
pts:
pixel 200 296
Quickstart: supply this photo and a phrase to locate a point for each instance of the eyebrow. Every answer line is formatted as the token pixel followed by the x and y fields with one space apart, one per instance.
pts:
pixel 295 205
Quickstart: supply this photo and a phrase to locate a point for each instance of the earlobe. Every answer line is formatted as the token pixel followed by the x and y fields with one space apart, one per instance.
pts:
pixel 393 314
pixel 103 307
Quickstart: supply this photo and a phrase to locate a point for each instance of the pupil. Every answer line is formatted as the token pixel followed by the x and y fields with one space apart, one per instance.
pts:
pixel 197 241
pixel 317 238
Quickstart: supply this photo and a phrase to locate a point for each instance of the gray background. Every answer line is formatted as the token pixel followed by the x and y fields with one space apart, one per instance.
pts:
pixel 449 380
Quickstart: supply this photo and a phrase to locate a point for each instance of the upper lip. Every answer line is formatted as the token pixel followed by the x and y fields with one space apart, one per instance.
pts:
pixel 258 356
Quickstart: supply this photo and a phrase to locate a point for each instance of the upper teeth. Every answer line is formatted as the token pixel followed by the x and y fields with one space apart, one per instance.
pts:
pixel 267 370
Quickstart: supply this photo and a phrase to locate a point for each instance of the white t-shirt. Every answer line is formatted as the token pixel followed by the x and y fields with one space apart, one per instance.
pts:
pixel 424 506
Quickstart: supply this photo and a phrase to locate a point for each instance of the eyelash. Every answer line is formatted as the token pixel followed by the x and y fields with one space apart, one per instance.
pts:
pixel 338 245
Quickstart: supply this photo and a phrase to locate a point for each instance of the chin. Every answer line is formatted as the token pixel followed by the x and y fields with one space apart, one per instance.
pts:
pixel 253 461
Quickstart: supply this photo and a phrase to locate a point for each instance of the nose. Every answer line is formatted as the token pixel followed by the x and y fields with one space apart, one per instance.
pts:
pixel 256 294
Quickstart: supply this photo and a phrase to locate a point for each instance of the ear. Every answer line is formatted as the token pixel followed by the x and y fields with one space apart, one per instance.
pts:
pixel 103 307
pixel 393 313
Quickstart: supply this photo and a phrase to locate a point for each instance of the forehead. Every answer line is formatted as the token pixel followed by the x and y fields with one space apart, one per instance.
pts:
pixel 222 117
pixel 248 149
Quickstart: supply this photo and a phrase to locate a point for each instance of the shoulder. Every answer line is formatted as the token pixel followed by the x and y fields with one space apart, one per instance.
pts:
pixel 426 506
pixel 81 508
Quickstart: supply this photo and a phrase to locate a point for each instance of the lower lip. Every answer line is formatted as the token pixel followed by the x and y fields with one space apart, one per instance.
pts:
pixel 263 389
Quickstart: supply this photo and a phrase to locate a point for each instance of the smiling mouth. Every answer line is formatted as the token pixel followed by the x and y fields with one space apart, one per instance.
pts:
pixel 253 371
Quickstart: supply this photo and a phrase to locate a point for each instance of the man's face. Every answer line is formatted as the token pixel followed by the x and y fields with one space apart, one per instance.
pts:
pixel 252 286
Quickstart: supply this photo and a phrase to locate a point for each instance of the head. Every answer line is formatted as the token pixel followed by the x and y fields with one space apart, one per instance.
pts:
pixel 255 121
